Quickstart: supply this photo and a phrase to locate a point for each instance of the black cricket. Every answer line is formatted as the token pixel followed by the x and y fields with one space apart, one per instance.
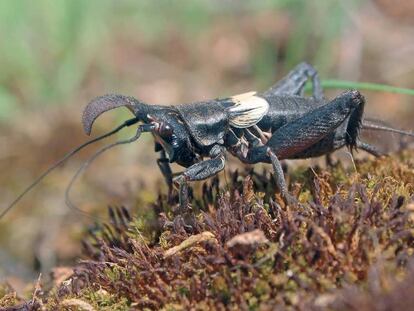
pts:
pixel 277 124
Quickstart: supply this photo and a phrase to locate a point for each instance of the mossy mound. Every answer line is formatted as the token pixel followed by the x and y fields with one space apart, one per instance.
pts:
pixel 348 244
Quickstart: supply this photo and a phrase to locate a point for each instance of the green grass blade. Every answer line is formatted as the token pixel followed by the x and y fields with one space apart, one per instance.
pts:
pixel 340 84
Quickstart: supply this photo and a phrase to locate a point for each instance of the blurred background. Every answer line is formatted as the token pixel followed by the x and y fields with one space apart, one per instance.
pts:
pixel 57 55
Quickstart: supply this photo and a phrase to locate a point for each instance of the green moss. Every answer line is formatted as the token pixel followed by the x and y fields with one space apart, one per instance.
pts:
pixel 7 296
pixel 102 300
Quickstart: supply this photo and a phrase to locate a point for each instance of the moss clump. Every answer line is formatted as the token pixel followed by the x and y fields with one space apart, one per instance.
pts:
pixel 7 296
pixel 349 245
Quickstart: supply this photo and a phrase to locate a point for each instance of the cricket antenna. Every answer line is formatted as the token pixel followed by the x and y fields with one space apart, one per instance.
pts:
pixel 86 164
pixel 379 127
pixel 61 161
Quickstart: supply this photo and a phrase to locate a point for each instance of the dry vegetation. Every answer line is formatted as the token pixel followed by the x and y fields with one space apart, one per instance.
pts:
pixel 60 56
pixel 346 245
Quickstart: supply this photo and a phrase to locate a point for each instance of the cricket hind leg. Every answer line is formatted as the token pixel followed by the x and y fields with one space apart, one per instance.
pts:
pixel 294 83
pixel 311 135
pixel 301 134
pixel 280 178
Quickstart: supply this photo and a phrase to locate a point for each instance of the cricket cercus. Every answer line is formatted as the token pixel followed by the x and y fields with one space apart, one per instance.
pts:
pixel 280 123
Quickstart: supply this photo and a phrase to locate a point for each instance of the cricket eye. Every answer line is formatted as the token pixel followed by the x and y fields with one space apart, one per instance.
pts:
pixel 165 129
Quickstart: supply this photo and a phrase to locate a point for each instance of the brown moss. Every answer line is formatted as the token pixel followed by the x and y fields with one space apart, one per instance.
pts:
pixel 347 244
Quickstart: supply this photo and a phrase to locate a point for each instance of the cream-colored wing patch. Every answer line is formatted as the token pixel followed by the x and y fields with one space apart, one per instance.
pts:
pixel 248 110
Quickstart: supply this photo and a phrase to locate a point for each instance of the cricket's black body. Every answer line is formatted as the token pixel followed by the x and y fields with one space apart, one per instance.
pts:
pixel 267 127
pixel 317 127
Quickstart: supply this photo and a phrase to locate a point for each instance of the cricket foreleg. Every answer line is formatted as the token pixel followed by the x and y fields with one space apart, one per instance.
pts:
pixel 165 168
pixel 199 171
pixel 294 83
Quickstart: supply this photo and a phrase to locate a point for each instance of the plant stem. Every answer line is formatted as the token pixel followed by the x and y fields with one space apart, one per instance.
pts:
pixel 340 84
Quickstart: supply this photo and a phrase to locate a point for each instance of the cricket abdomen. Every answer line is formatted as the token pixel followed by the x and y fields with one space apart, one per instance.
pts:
pixel 285 109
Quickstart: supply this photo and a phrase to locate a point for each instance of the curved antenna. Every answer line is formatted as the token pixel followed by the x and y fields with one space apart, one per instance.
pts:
pixel 86 164
pixel 61 161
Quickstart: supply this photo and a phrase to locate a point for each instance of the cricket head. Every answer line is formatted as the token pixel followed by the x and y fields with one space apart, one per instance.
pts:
pixel 104 103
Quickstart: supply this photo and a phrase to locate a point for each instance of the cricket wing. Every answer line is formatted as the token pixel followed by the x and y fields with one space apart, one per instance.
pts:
pixel 248 110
